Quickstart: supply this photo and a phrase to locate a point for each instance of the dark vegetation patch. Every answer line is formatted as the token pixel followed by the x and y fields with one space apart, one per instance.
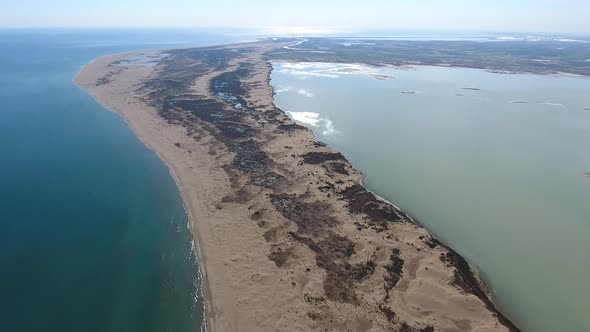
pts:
pixel 332 249
pixel 230 82
pixel 329 186
pixel 310 218
pixel 430 241
pixel 276 116
pixel 215 58
pixel 228 87
pixel 394 272
pixel 280 256
pixel 257 215
pixel 461 280
pixel 170 92
pixel 107 78
pixel 290 127
pixel 313 315
pixel 241 196
pixel 315 158
pixel 314 299
pixel 332 253
pixel 360 226
pixel 228 125
pixel 336 167
pixel 182 67
pixel 465 279
pixel 272 234
pixel 252 161
pixel 270 180
pixel 407 328
pixel 364 202
pixel 232 175
pixel 386 310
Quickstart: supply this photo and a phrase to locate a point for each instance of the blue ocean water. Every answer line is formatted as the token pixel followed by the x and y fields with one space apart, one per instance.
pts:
pixel 93 234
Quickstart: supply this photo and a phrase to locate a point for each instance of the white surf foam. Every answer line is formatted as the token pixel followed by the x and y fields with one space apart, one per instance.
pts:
pixel 283 89
pixel 568 40
pixel 552 104
pixel 306 117
pixel 329 128
pixel 329 70
pixel 305 93
pixel 302 74
pixel 314 120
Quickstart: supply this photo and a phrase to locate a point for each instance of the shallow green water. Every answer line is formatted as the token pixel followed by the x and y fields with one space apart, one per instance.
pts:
pixel 93 234
pixel 499 180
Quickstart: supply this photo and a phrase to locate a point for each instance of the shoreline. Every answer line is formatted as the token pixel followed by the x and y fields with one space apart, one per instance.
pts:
pixel 480 285
pixel 203 287
pixel 473 269
pixel 189 202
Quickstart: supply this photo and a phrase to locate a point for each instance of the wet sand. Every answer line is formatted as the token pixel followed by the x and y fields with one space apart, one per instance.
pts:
pixel 287 237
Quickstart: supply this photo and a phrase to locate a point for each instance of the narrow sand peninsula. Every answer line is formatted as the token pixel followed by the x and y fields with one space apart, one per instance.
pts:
pixel 288 239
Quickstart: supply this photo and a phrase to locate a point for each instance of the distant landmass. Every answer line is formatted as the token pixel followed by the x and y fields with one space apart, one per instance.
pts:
pixel 538 56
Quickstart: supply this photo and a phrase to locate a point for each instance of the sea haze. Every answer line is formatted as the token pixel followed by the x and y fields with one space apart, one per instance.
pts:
pixel 93 234
pixel 493 164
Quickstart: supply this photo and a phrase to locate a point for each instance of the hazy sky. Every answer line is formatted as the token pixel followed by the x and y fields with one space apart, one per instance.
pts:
pixel 505 15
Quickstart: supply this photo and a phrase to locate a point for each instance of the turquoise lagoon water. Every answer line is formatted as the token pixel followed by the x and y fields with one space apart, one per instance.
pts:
pixel 496 173
pixel 93 234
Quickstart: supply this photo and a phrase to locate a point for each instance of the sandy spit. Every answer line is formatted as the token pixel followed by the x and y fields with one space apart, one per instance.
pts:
pixel 289 240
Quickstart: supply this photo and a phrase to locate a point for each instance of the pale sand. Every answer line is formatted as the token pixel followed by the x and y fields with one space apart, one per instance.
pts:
pixel 244 289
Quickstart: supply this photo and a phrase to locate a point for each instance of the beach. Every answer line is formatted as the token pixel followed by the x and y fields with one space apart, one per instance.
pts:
pixel 287 237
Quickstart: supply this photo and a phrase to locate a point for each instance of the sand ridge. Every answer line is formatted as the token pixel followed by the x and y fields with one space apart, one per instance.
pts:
pixel 288 239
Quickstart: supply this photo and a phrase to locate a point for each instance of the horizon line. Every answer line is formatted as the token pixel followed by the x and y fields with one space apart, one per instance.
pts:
pixel 268 30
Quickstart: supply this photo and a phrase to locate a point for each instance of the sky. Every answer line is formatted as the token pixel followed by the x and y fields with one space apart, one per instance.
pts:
pixel 320 16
